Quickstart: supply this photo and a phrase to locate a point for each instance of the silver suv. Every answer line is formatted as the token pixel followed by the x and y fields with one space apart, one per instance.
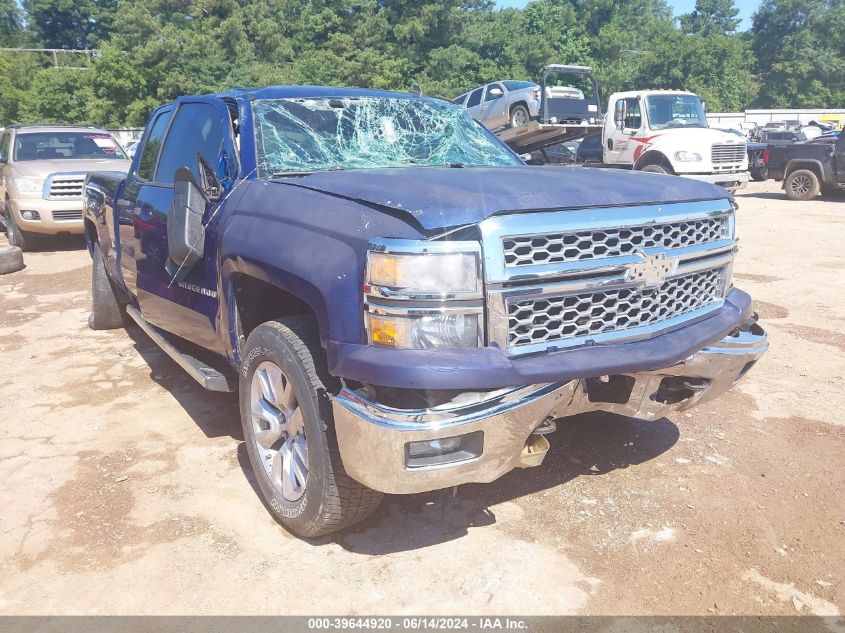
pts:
pixel 42 169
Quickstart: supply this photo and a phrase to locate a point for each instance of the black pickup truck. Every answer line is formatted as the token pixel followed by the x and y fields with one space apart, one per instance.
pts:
pixel 807 168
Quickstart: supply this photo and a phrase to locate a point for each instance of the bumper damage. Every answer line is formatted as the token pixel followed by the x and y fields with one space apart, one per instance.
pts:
pixel 481 438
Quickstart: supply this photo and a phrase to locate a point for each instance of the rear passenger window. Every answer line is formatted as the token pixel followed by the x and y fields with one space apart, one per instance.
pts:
pixel 147 162
pixel 197 130
pixel 474 98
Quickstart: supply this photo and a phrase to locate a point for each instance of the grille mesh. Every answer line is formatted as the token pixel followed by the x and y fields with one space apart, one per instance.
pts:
pixel 728 153
pixel 66 187
pixel 593 244
pixel 67 215
pixel 553 319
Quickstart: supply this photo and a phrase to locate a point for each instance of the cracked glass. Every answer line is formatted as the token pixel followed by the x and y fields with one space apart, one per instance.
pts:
pixel 305 135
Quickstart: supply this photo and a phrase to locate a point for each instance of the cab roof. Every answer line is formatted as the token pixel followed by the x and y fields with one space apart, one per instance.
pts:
pixel 308 92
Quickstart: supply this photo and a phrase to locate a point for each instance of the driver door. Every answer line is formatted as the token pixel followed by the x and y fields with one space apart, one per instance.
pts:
pixel 184 303
pixel 621 142
pixel 494 109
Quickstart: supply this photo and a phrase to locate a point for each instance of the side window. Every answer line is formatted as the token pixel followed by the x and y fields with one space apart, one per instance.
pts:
pixel 474 98
pixel 196 130
pixel 633 118
pixel 4 145
pixel 459 100
pixel 147 162
pixel 489 97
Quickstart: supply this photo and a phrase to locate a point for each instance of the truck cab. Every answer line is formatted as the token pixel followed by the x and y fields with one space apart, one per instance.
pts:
pixel 666 131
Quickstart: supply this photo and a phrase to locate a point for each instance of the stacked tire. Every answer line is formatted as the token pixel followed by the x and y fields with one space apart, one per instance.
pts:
pixel 11 259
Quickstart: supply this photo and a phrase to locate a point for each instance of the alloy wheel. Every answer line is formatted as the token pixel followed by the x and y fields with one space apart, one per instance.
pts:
pixel 800 185
pixel 279 430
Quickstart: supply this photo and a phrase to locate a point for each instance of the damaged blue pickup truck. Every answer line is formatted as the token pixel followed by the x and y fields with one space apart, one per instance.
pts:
pixel 401 304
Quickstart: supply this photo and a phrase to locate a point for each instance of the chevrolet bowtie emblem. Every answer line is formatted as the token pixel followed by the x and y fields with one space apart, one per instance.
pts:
pixel 652 270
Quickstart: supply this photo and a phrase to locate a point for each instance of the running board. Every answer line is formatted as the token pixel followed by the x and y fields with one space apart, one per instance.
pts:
pixel 204 374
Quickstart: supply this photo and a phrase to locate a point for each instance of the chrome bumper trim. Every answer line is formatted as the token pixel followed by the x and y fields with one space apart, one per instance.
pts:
pixel 372 436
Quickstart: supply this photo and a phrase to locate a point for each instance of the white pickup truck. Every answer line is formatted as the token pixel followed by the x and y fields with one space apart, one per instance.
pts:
pixel 665 131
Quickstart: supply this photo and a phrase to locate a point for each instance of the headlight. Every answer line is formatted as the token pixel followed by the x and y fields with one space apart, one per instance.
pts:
pixel 687 157
pixel 424 331
pixel 423 295
pixel 29 185
pixel 428 273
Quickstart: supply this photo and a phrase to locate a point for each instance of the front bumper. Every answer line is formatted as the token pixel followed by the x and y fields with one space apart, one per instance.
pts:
pixel 373 438
pixel 49 224
pixel 735 180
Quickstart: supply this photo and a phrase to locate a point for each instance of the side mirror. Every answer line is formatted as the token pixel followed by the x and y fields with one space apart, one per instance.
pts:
pixel 496 92
pixel 620 124
pixel 185 232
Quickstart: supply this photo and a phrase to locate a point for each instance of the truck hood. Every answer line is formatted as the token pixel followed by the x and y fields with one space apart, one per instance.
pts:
pixel 442 197
pixel 43 168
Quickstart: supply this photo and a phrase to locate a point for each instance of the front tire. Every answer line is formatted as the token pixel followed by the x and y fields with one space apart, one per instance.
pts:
pixel 655 169
pixel 520 116
pixel 289 432
pixel 23 240
pixel 106 311
pixel 801 184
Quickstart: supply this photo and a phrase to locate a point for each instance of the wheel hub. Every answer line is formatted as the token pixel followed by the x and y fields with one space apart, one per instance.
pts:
pixel 801 185
pixel 279 430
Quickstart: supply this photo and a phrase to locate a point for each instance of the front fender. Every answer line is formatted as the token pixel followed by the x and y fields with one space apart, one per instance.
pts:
pixel 310 245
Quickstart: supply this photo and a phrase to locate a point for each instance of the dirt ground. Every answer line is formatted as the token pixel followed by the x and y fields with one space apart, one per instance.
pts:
pixel 125 488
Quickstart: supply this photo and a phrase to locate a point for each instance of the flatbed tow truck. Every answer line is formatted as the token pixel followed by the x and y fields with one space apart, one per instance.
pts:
pixel 561 118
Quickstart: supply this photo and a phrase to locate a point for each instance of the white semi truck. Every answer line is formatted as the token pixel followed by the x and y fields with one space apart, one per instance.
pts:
pixel 665 131
pixel 660 131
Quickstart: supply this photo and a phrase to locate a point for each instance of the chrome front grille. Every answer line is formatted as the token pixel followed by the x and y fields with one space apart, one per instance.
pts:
pixel 592 244
pixel 65 186
pixel 581 315
pixel 563 279
pixel 67 215
pixel 723 153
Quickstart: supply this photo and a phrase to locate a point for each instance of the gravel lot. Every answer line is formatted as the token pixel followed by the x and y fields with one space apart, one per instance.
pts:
pixel 122 487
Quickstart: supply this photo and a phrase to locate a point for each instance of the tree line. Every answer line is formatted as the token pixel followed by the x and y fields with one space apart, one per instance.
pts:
pixel 151 51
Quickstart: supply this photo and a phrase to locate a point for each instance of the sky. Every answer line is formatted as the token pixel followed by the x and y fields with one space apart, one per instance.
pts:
pixel 746 8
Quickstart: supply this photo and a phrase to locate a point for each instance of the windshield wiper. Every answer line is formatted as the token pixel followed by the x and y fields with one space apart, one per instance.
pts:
pixel 293 173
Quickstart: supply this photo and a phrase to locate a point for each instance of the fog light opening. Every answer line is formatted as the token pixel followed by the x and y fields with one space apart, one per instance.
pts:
pixel 31 216
pixel 676 389
pixel 444 450
pixel 615 389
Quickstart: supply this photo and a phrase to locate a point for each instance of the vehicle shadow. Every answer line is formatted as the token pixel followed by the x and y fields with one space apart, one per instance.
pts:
pixel 591 444
pixel 767 195
pixel 215 413
pixel 58 244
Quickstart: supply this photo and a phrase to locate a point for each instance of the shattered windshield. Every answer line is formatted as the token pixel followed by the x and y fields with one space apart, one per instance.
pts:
pixel 668 111
pixel 304 135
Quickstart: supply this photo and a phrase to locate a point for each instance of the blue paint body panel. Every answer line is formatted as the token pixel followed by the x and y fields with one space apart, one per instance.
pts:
pixel 308 236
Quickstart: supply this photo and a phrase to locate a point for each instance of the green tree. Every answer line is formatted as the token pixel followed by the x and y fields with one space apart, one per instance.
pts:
pixel 57 95
pixel 711 17
pixel 78 24
pixel 800 49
